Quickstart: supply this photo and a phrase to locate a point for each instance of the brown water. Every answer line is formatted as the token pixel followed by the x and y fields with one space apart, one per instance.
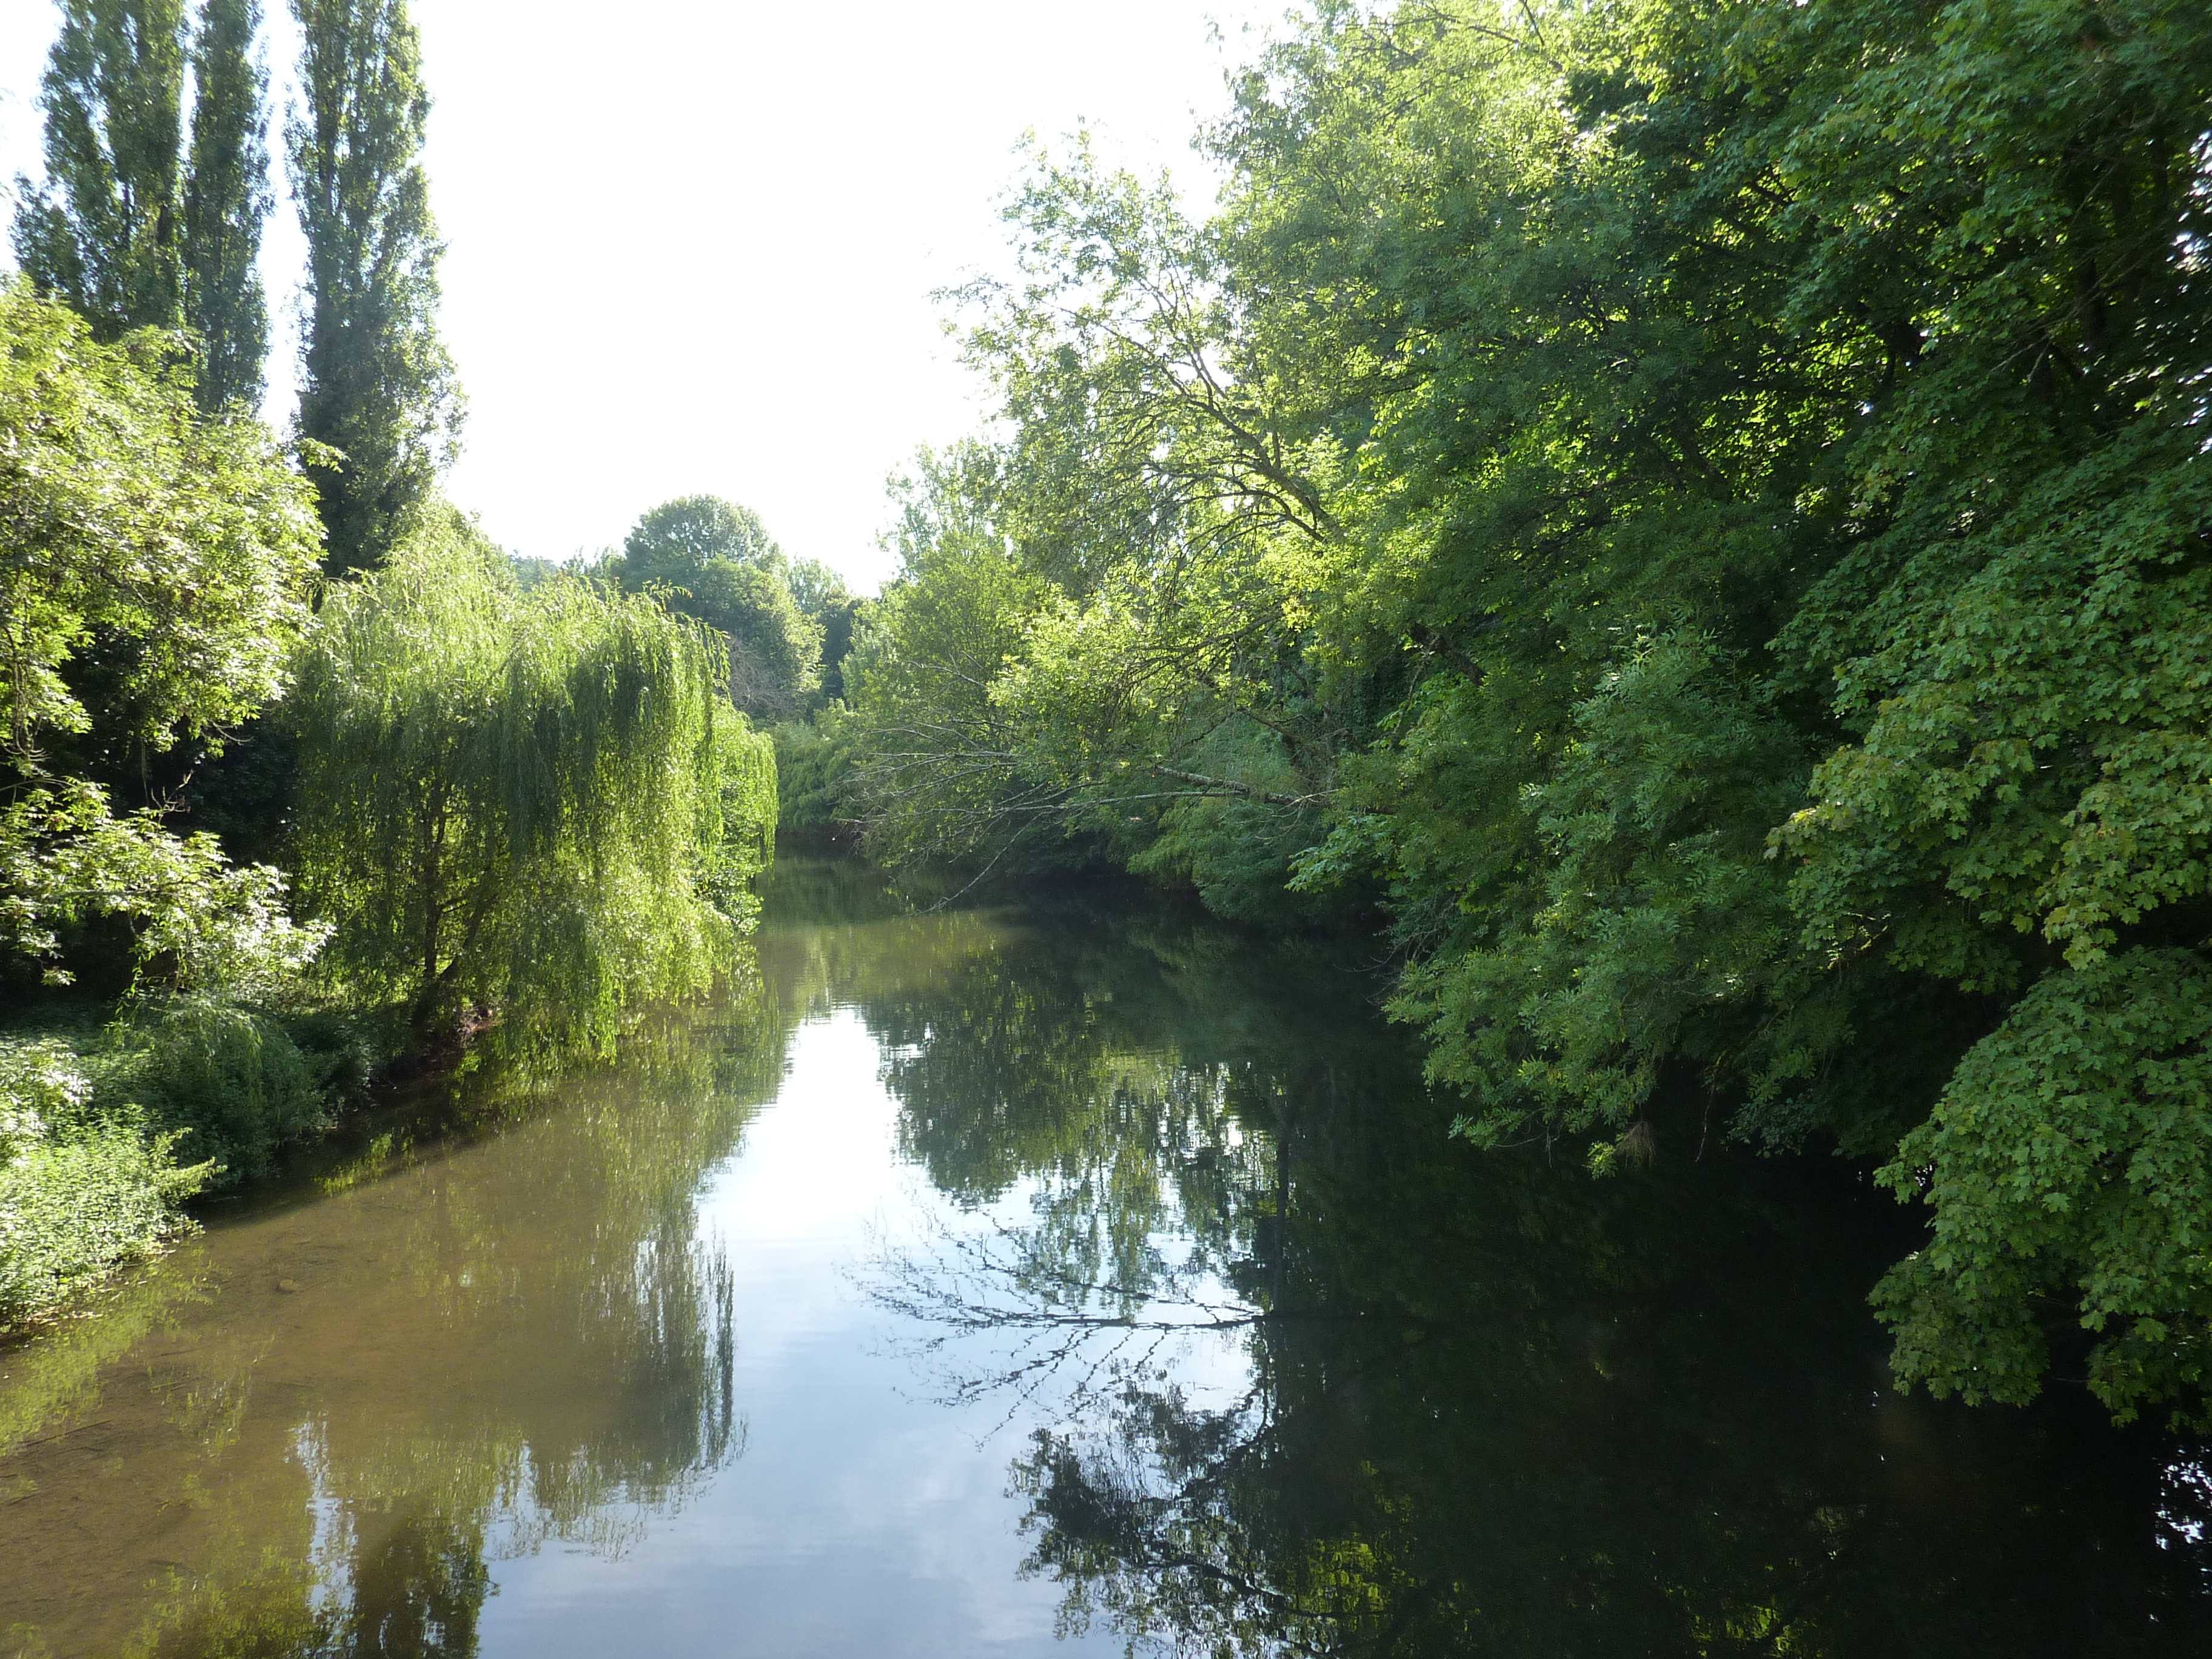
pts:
pixel 1016 1278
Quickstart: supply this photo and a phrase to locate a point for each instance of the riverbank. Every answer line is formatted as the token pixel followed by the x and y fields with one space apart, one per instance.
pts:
pixel 114 1116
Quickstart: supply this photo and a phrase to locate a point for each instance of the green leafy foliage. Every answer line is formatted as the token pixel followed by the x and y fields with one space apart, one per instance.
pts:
pixel 226 200
pixel 813 770
pixel 715 560
pixel 520 801
pixel 229 1087
pixel 134 225
pixel 2070 1158
pixel 378 385
pixel 198 922
pixel 153 578
pixel 101 230
pixel 1710 518
pixel 153 585
pixel 741 829
pixel 181 545
pixel 81 1191
pixel 1235 851
pixel 933 749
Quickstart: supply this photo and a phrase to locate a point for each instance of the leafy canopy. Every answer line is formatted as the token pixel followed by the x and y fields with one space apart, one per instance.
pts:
pixel 154 576
pixel 535 803
pixel 1708 519
pixel 715 561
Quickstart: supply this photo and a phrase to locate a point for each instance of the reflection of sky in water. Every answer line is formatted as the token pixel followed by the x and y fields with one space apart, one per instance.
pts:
pixel 644 1362
pixel 864 1518
pixel 2189 1499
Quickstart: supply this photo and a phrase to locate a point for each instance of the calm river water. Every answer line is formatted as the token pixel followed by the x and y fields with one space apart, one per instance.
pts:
pixel 1035 1279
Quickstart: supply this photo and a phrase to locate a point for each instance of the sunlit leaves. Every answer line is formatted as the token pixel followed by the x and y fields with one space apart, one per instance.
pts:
pixel 125 512
pixel 522 801
pixel 152 573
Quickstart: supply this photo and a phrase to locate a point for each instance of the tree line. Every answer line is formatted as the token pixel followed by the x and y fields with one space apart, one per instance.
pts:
pixel 1696 513
pixel 152 209
pixel 302 776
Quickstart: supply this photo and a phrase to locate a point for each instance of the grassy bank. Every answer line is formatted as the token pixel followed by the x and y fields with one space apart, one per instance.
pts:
pixel 111 1119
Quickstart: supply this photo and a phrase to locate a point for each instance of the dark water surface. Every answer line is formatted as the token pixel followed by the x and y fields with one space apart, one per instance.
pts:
pixel 1031 1279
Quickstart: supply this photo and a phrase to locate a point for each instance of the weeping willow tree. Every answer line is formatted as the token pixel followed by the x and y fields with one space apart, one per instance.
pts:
pixel 534 802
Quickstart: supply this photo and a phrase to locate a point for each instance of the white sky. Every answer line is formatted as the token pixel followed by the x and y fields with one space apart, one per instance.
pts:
pixel 691 245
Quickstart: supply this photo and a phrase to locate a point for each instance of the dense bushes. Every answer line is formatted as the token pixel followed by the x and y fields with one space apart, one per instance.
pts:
pixel 153 590
pixel 105 1131
pixel 231 1087
pixel 73 1210
pixel 81 1190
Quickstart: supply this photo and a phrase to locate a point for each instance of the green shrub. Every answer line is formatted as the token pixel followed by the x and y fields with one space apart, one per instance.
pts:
pixel 71 1212
pixel 79 1196
pixel 233 1085
pixel 1237 852
pixel 814 772
pixel 344 1050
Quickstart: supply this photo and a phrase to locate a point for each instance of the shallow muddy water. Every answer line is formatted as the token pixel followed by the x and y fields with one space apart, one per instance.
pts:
pixel 1037 1277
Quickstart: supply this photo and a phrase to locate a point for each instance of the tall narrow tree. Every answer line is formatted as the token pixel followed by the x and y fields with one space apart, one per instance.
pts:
pixel 101 231
pixel 226 200
pixel 379 386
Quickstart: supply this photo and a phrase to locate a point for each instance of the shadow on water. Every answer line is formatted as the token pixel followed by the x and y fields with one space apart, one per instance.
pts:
pixel 1486 1405
pixel 1290 1372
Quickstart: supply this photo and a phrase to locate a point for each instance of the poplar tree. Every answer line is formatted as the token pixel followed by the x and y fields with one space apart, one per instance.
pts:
pixel 128 228
pixel 225 201
pixel 378 385
pixel 101 231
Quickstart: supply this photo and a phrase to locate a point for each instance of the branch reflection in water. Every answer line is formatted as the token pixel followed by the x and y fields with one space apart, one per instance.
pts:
pixel 1292 1372
pixel 504 1329
pixel 1302 1376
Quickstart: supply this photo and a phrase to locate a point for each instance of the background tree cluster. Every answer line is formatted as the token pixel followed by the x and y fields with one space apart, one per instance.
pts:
pixel 427 800
pixel 787 624
pixel 1701 509
pixel 151 210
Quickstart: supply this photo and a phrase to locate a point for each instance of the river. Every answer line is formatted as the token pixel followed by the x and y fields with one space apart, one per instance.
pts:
pixel 1038 1276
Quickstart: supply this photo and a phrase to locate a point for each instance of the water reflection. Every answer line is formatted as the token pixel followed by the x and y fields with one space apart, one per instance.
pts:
pixel 1271 1366
pixel 491 1326
pixel 1481 1404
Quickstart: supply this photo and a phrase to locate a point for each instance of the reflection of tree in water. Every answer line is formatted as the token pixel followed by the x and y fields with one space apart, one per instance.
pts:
pixel 417 1593
pixel 1129 1074
pixel 420 1592
pixel 503 1348
pixel 1492 1406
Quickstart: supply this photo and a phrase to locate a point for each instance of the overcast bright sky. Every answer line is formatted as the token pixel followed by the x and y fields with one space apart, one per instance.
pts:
pixel 692 243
